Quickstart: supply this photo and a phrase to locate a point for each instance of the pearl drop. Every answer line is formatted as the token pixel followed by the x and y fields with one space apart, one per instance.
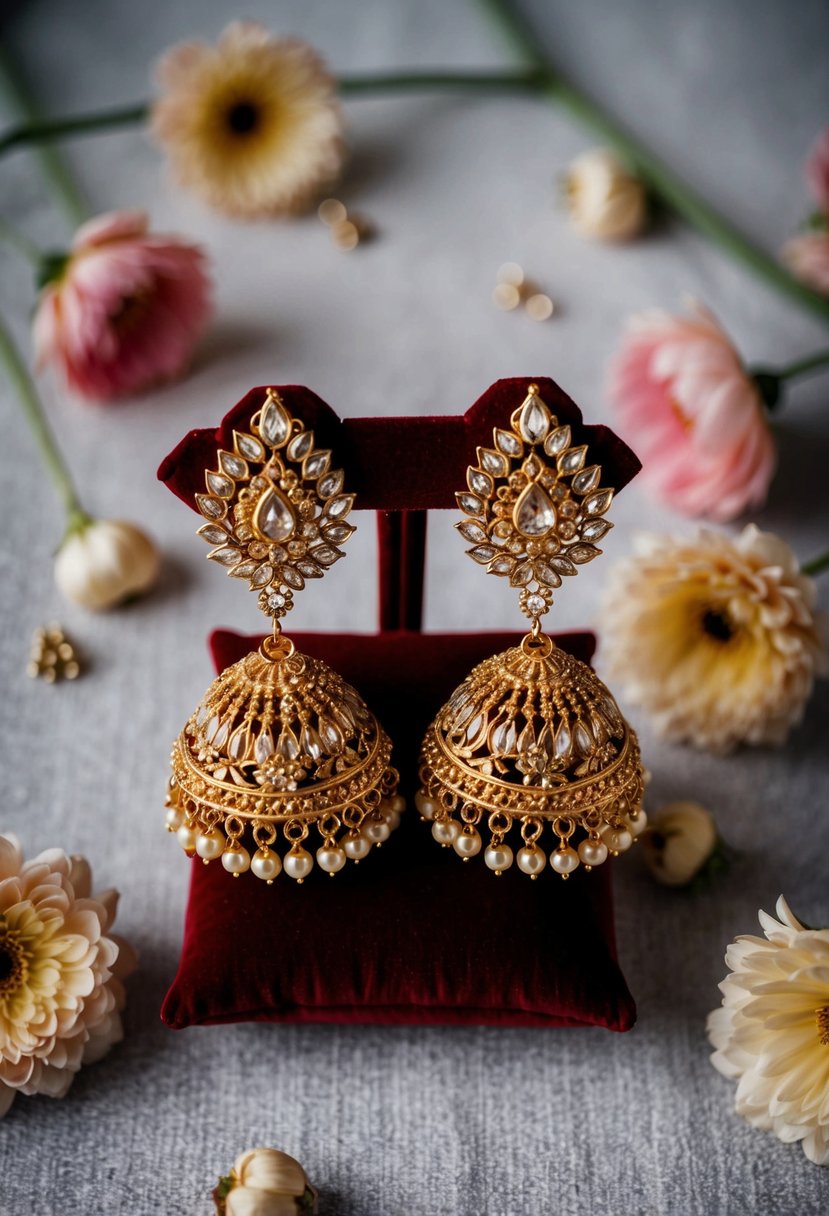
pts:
pixel 186 836
pixel 593 852
pixel 637 826
pixel 376 830
pixel 617 839
pixel 298 864
pixel 467 844
pixel 397 804
pixel 236 861
pixel 428 807
pixel 445 830
pixel 356 847
pixel 498 857
pixel 174 818
pixel 531 860
pixel 330 859
pixel 392 819
pixel 265 864
pixel 565 860
pixel 210 845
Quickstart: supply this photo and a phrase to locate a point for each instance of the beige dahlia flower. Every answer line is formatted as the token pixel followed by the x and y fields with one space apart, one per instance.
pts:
pixel 771 1033
pixel 60 972
pixel 252 125
pixel 717 638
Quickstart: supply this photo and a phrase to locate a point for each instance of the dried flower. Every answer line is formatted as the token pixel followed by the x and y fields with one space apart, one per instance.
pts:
pixel 716 637
pixel 678 842
pixel 693 414
pixel 265 1182
pixel 103 562
pixel 771 1032
pixel 251 125
pixel 60 972
pixel 603 198
pixel 123 309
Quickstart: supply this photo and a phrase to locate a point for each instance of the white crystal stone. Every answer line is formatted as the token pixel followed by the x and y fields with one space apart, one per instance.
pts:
pixel 274 423
pixel 273 517
pixel 534 419
pixel 536 603
pixel 534 513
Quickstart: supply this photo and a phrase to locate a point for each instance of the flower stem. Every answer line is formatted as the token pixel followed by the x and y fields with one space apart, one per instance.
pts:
pixel 21 243
pixel 30 403
pixel 661 181
pixel 803 367
pixel 394 82
pixel 817 565
pixel 73 203
pixel 44 130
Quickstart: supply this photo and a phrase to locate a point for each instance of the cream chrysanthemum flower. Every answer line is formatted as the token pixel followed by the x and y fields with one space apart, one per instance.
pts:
pixel 60 972
pixel 717 638
pixel 251 125
pixel 771 1032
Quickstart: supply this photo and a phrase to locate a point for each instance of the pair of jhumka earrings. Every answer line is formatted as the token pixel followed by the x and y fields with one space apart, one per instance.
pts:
pixel 283 766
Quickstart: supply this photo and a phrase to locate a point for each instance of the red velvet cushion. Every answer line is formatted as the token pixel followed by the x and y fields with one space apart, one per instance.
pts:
pixel 412 934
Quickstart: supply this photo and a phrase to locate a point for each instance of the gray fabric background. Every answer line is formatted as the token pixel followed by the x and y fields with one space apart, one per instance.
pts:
pixel 409 1122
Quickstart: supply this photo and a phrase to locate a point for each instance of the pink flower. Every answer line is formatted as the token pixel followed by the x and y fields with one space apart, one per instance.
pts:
pixel 126 308
pixel 807 256
pixel 817 171
pixel 693 415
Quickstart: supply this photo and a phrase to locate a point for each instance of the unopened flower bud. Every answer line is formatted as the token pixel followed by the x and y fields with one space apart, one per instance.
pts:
pixel 104 562
pixel 605 200
pixel 265 1182
pixel 678 842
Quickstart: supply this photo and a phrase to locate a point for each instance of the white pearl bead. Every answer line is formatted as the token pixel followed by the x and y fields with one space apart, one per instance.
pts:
pixel 531 860
pixel 498 857
pixel 376 830
pixel 236 861
pixel 427 806
pixel 265 864
pixel 174 818
pixel 445 831
pixel 637 826
pixel 392 819
pixel 617 839
pixel 593 852
pixel 330 859
pixel 467 844
pixel 357 847
pixel 210 845
pixel 298 864
pixel 397 804
pixel 565 860
pixel 186 836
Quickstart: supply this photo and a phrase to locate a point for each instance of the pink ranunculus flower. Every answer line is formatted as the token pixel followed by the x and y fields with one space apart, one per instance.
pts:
pixel 807 256
pixel 693 414
pixel 125 309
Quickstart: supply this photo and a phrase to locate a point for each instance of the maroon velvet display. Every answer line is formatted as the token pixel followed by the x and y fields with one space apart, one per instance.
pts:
pixel 412 934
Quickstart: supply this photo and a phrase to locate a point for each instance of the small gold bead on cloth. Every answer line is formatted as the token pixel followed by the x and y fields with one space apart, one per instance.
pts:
pixel 52 656
pixel 510 273
pixel 506 296
pixel 332 211
pixel 539 306
pixel 346 231
pixel 513 288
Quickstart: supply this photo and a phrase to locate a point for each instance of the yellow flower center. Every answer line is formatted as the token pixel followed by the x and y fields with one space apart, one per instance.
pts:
pixel 14 962
pixel 687 423
pixel 243 117
pixel 716 624
pixel 822 1016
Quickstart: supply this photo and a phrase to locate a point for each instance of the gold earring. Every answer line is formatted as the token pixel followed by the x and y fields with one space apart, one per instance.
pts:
pixel 532 739
pixel 280 742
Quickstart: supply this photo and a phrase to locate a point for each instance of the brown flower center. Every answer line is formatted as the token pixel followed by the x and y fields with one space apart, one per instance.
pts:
pixel 822 1016
pixel 14 965
pixel 243 117
pixel 131 312
pixel 717 625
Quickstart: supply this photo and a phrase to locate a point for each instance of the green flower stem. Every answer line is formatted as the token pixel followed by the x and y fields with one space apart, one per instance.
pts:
pixel 804 367
pixel 817 565
pixel 23 385
pixel 51 162
pixel 45 130
pixel 657 177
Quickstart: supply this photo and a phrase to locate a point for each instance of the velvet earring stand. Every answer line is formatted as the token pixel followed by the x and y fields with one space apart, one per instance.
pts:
pixel 411 935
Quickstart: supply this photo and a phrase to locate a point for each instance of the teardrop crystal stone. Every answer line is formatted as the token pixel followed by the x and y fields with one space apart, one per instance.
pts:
pixel 534 513
pixel 534 419
pixel 274 518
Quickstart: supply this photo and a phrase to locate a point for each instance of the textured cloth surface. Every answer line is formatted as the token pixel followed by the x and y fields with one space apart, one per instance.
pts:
pixel 411 1121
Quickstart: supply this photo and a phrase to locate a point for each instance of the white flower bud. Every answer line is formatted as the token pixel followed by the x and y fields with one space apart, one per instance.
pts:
pixel 104 563
pixel 678 841
pixel 603 198
pixel 266 1182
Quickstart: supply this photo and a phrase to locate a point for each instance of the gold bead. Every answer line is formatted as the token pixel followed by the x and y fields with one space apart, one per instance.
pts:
pixel 540 307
